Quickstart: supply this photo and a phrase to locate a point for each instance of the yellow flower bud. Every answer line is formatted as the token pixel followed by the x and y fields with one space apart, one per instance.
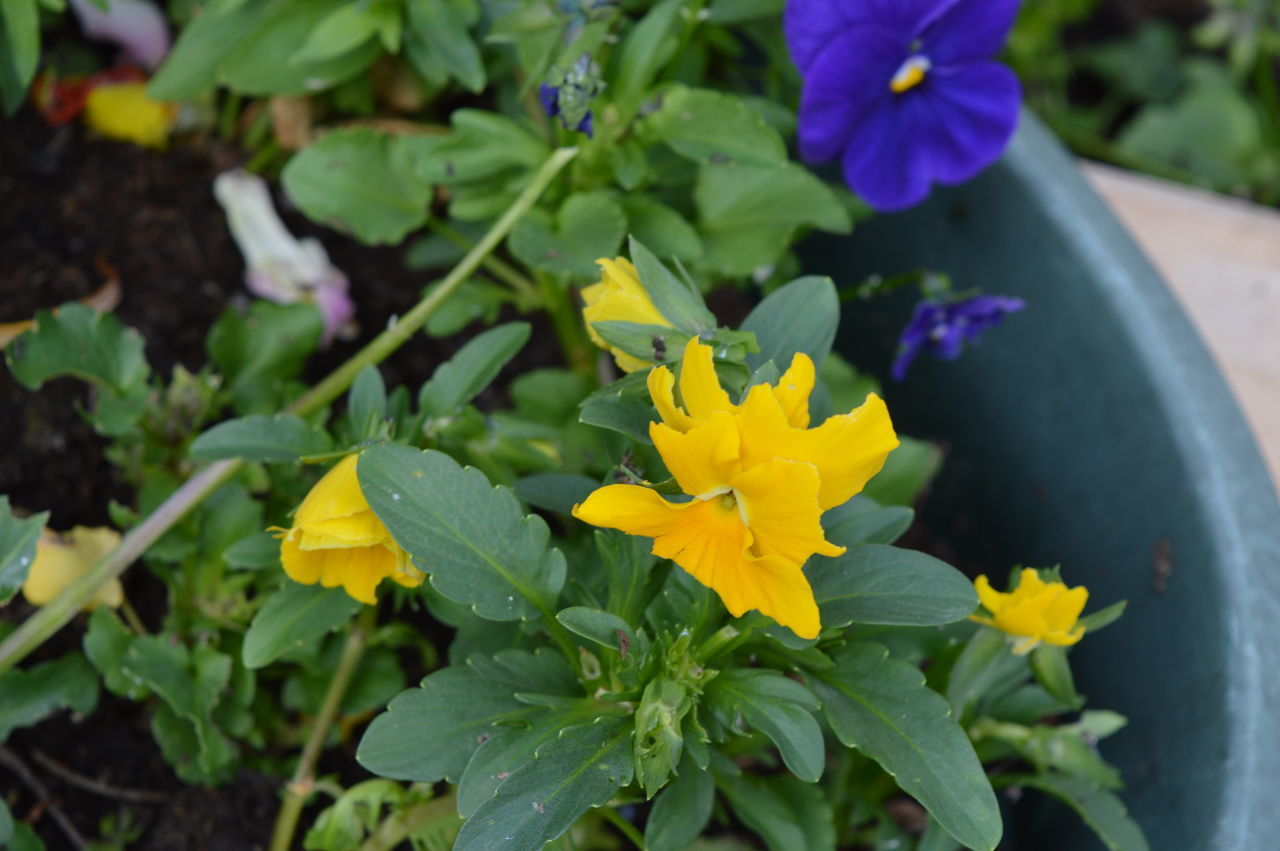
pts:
pixel 62 559
pixel 619 297
pixel 336 539
pixel 124 111
pixel 1035 611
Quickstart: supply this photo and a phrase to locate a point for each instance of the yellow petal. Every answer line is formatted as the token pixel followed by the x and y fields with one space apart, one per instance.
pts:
pixel 794 388
pixel 362 529
pixel 776 587
pixel 619 297
pixel 357 570
pixel 337 494
pixel 705 458
pixel 60 560
pixel 992 600
pixel 780 501
pixel 1020 620
pixel 1030 585
pixel 662 385
pixel 1064 639
pixel 1062 613
pixel 124 111
pixel 700 388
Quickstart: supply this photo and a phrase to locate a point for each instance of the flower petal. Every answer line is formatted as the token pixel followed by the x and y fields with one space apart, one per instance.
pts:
pixel 362 529
pixel 705 458
pixel 619 297
pixel 1064 611
pixel 794 388
pixel 970 29
pixel 845 86
pixel 810 24
pixel 780 501
pixel 337 494
pixel 777 588
pixel 662 383
pixel 992 600
pixel 909 18
pixel 972 110
pixel 700 388
pixel 882 158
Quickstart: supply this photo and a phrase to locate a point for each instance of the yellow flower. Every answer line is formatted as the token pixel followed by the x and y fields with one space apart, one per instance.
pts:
pixel 62 559
pixel 336 539
pixel 1035 611
pixel 124 111
pixel 759 484
pixel 619 297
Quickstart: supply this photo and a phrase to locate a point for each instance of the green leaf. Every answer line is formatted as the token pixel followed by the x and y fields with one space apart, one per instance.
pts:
pixel 1103 618
pixel 1053 671
pixel 366 401
pixel 647 342
pixel 429 733
pixel 660 227
pixel 588 226
pixel 749 213
pixel 363 182
pixel 292 618
pixel 681 810
pixel 645 50
pixel 6 824
pixel 879 584
pixel 284 437
pixel 471 537
pixel 862 520
pixel 460 379
pixel 604 628
pixel 33 694
pixel 983 666
pixel 440 27
pixel 1101 810
pixel 508 748
pixel 800 317
pixel 907 471
pixel 343 29
pixel 19 50
pixel 17 548
pixel 558 492
pixel 882 707
pixel 258 551
pixel 25 839
pixel 483 145
pixel 258 353
pixel 711 127
pixel 106 643
pixel 543 798
pixel 678 301
pixel 622 406
pixel 779 707
pixel 783 811
pixel 77 341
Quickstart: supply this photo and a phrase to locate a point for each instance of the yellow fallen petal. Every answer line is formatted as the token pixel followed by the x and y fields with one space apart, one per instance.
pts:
pixel 705 458
pixel 780 501
pixel 794 388
pixel 60 560
pixel 700 388
pixel 124 111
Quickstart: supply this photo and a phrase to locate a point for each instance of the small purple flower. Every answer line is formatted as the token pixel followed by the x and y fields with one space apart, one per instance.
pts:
pixel 943 327
pixel 904 92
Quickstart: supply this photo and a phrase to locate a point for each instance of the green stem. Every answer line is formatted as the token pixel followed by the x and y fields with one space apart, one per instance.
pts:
pixel 200 486
pixel 567 324
pixel 500 269
pixel 299 789
pixel 625 827
pixel 394 830
pixel 722 640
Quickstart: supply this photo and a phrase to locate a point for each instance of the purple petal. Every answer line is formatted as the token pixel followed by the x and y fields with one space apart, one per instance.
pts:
pixel 906 17
pixel 883 156
pixel 970 29
pixel 906 356
pixel 971 112
pixel 810 24
pixel 847 81
pixel 549 97
pixel 139 27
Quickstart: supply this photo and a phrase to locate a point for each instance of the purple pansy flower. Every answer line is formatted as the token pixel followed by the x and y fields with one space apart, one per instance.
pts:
pixel 903 92
pixel 549 97
pixel 944 326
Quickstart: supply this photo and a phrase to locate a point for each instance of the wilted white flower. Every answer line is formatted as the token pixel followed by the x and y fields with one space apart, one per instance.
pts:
pixel 280 267
pixel 139 27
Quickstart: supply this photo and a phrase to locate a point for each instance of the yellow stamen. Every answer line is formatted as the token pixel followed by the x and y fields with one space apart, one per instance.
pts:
pixel 910 75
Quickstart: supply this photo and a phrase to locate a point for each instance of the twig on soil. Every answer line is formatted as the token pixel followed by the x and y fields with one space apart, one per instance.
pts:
pixel 11 761
pixel 106 790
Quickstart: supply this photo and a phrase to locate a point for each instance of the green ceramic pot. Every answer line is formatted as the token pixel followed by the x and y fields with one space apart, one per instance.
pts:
pixel 1093 430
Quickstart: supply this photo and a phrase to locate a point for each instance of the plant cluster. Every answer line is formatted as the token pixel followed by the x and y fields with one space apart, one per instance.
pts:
pixel 738 646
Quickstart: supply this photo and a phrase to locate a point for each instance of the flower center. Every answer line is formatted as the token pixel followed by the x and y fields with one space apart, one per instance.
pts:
pixel 911 74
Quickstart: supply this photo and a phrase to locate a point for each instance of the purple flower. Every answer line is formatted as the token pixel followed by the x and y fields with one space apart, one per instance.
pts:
pixel 549 97
pixel 903 92
pixel 944 326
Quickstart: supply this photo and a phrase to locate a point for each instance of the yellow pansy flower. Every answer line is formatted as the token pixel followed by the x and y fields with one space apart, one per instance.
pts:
pixel 124 111
pixel 619 297
pixel 336 539
pixel 62 559
pixel 754 519
pixel 1035 611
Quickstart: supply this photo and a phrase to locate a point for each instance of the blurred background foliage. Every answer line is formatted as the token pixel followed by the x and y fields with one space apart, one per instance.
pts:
pixel 1182 89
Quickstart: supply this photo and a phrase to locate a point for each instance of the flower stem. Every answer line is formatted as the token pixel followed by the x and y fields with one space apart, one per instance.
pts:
pixel 394 830
pixel 297 790
pixel 500 269
pixel 52 617
pixel 624 827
